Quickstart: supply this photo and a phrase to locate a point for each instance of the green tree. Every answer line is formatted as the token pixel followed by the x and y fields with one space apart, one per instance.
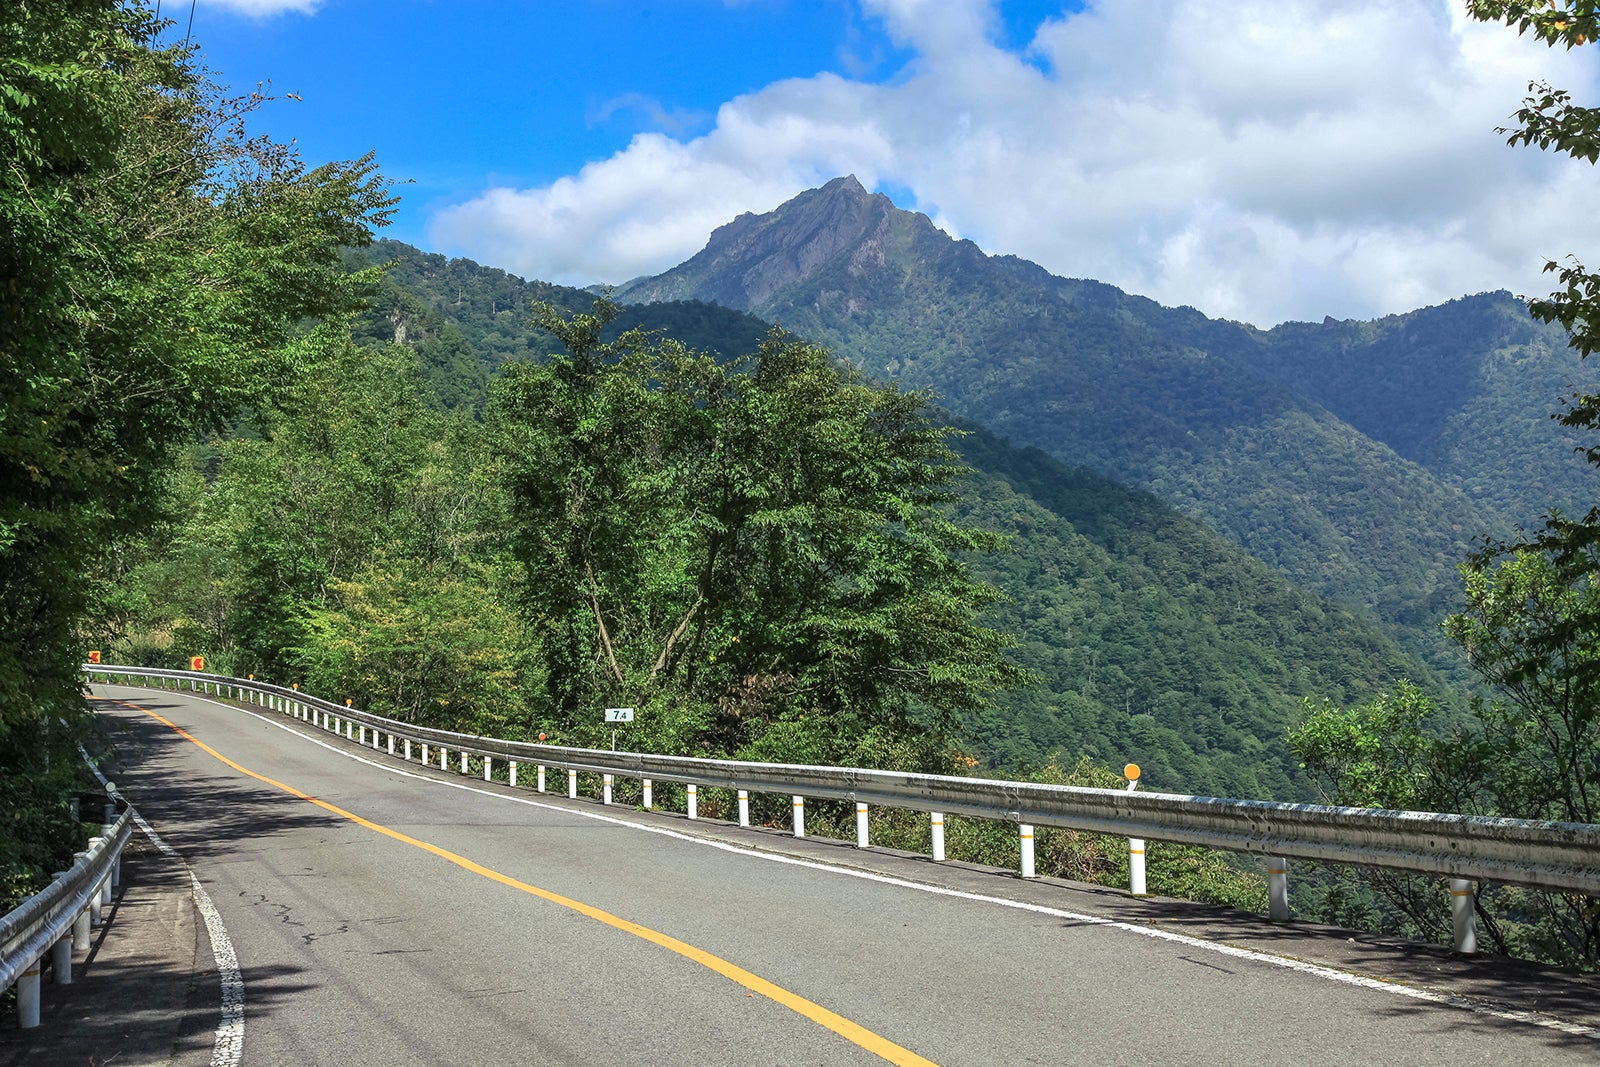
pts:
pixel 157 274
pixel 1391 753
pixel 425 641
pixel 1531 631
pixel 739 546
pixel 159 267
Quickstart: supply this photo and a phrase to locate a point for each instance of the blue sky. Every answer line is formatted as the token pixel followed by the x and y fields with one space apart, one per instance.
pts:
pixel 1257 160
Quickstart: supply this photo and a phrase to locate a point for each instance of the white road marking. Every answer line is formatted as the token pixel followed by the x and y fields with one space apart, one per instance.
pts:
pixel 229 1045
pixel 1452 1000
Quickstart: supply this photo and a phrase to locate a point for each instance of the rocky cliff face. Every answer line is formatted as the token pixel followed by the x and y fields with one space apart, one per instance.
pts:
pixel 754 259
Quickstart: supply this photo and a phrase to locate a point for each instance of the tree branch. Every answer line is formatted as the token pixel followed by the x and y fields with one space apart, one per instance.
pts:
pixel 599 620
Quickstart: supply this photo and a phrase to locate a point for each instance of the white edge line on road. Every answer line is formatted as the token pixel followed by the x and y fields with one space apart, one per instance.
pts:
pixel 229 1045
pixel 1452 1000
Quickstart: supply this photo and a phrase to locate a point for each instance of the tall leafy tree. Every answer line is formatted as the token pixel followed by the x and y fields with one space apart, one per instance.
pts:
pixel 741 546
pixel 158 267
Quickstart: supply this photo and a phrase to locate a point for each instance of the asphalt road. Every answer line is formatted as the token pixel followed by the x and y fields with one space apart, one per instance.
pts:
pixel 385 914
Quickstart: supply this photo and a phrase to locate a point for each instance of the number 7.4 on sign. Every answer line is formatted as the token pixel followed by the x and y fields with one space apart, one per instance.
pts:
pixel 619 715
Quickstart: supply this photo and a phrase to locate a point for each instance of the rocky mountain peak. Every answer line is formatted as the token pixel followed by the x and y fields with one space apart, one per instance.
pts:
pixel 753 257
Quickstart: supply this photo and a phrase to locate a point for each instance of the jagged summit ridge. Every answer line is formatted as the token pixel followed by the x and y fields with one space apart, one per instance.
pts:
pixel 750 260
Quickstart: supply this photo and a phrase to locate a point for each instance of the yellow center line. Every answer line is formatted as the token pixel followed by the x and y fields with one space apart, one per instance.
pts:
pixel 850 1031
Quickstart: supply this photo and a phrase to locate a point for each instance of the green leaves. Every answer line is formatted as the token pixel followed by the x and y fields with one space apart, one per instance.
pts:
pixel 1387 753
pixel 161 271
pixel 764 538
pixel 1565 22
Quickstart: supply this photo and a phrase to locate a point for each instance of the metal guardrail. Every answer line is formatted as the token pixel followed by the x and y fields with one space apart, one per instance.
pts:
pixel 57 921
pixel 1549 855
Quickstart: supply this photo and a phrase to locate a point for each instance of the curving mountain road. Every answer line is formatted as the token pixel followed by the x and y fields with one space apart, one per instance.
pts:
pixel 387 914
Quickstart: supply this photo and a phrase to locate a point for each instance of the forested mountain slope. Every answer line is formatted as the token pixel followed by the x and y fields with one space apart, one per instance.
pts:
pixel 1259 433
pixel 465 320
pixel 1465 389
pixel 1154 638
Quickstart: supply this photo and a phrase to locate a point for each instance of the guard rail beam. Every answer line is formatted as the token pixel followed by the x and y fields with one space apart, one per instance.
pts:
pixel 58 920
pixel 1556 856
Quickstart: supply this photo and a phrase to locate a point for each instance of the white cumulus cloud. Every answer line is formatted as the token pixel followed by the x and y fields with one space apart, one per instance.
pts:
pixel 1258 160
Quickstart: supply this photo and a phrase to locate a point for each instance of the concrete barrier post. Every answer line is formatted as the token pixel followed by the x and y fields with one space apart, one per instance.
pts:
pixel 511 771
pixel 540 776
pixel 1278 889
pixel 1136 883
pixel 94 897
pixel 694 800
pixel 464 762
pixel 61 961
pixel 799 816
pixel 391 744
pixel 572 785
pixel 649 794
pixel 744 807
pixel 408 750
pixel 936 826
pixel 80 931
pixel 424 755
pixel 28 997
pixel 1025 834
pixel 861 825
pixel 1463 917
pixel 487 773
pixel 61 951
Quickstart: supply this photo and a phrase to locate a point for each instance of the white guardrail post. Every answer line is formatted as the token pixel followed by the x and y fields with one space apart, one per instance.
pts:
pixel 1463 915
pixel 1464 849
pixel 1278 889
pixel 1136 869
pixel 55 922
